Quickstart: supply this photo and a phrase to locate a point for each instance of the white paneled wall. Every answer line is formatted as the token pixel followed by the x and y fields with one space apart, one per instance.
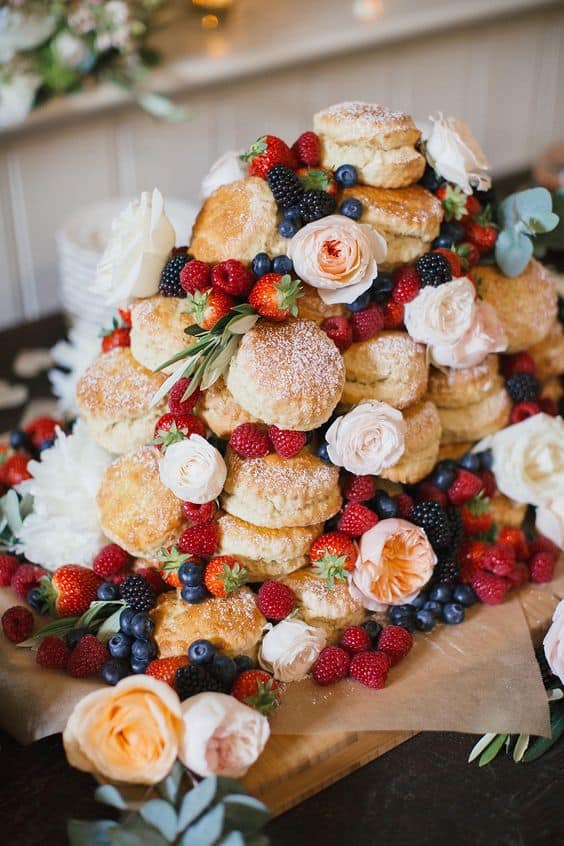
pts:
pixel 506 78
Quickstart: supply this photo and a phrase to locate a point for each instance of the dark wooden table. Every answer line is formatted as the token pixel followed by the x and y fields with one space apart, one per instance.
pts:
pixel 421 793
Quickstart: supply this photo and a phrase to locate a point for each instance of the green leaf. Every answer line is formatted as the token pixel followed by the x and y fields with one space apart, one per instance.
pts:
pixel 107 794
pixel 99 611
pixel 521 746
pixel 234 838
pixel 216 366
pixel 492 750
pixel 59 628
pixel 532 202
pixel 161 816
pixel 243 324
pixel 229 787
pixel 206 831
pixel 543 744
pixel 169 382
pixel 543 222
pixel 109 626
pixel 196 801
pixel 161 107
pixel 10 505
pixel 82 833
pixel 169 787
pixel 482 744
pixel 245 813
pixel 513 251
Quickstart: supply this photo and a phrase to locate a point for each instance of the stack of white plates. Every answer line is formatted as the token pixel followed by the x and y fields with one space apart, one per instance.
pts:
pixel 81 242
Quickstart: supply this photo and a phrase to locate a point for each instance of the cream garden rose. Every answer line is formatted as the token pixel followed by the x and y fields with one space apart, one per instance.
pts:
pixel 193 470
pixel 221 735
pixel 554 643
pixel 454 153
pixel 368 438
pixel 337 256
pixel 550 521
pixel 486 335
pixel 442 316
pixel 127 733
pixel 289 649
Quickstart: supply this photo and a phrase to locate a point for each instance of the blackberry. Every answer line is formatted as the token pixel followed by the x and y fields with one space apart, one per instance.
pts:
pixel 169 284
pixel 434 269
pixel 286 188
pixel 315 204
pixel 446 571
pixel 138 593
pixel 193 679
pixel 431 517
pixel 523 387
pixel 456 525
pixel 548 678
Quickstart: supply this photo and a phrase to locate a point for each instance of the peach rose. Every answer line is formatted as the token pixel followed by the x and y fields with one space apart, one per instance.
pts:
pixel 127 733
pixel 486 335
pixel 338 256
pixel 554 643
pixel 395 560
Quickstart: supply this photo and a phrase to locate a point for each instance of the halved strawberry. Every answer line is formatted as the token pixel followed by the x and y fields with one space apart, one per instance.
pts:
pixel 274 296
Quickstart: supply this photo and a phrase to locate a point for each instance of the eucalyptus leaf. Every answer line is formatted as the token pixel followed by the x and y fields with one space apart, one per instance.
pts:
pixel 243 324
pixel 168 383
pixel 83 833
pixel 482 744
pixel 245 814
pixel 58 627
pixel 161 107
pixel 10 505
pixel 543 744
pixel 492 750
pixel 109 626
pixel 234 838
pixel 162 816
pixel 107 794
pixel 196 801
pixel 135 832
pixel 229 787
pixel 521 747
pixel 207 830
pixel 169 787
pixel 507 212
pixel 513 251
pixel 532 202
pixel 216 366
pixel 543 222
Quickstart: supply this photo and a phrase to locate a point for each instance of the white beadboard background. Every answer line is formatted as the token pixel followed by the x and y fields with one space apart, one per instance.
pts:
pixel 504 76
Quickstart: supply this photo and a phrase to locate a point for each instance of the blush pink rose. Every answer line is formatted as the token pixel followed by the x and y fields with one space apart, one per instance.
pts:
pixel 486 335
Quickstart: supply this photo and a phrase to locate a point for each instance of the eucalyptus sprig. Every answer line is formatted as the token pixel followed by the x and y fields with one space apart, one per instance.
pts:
pixel 95 619
pixel 522 216
pixel 13 510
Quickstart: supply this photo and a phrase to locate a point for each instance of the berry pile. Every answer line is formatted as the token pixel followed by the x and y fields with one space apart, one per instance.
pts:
pixel 524 388
pixel 25 444
pixel 250 441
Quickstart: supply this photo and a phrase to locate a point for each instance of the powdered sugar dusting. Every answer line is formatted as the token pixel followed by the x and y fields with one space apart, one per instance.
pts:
pixel 303 473
pixel 115 386
pixel 368 115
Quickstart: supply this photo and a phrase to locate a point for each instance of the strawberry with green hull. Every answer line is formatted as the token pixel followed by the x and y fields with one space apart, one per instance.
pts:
pixel 70 590
pixel 333 555
pixel 267 151
pixel 457 205
pixel 318 179
pixel 481 232
pixel 207 307
pixel 257 689
pixel 172 428
pixel 275 296
pixel 170 561
pixel 224 576
pixel 118 335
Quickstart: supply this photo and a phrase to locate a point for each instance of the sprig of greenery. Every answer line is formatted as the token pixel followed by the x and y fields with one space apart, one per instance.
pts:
pixel 95 618
pixel 13 510
pixel 522 216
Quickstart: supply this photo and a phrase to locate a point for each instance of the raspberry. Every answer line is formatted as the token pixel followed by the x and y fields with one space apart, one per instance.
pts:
pixel 542 544
pixel 499 559
pixel 17 623
pixel 110 560
pixel 356 519
pixel 404 503
pixel 465 487
pixel 276 600
pixel 307 149
pixel 367 322
pixel 198 514
pixel 176 403
pixel 355 639
pixel 138 593
pixel 53 653
pixel 232 277
pixel 195 276
pixel 434 269
pixel 199 540
pixel 406 284
pixel 393 315
pixel 8 566
pixel 339 330
pixel 285 185
pixel 153 577
pixel 515 538
pixel 26 577
pixel 489 589
pixel 164 669
pixel 431 517
pixel 87 657
pixel 395 642
pixel 524 410
pixel 331 666
pixel 523 387
pixel 370 669
pixel 541 567
pixel 286 442
pixel 519 575
pixel 521 362
pixel 358 488
pixel 249 441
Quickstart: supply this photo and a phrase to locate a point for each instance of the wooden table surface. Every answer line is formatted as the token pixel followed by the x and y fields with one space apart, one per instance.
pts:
pixel 421 793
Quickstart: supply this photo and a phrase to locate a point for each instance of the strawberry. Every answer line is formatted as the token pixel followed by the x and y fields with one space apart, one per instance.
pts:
pixel 455 202
pixel 8 566
pixel 356 519
pixel 490 589
pixel 119 337
pixel 178 403
pixel 224 576
pixel 521 362
pixel 267 151
pixel 355 639
pixel 476 515
pixel 453 260
pixel 514 537
pixel 331 666
pixel 542 544
pixel 405 504
pixel 332 555
pixel 70 590
pixel 395 642
pixel 393 315
pixel 367 322
pixel 274 296
pixel 358 488
pixel 407 284
pixel 541 567
pixel 14 470
pixel 481 232
pixel 152 575
pixel 87 657
pixel 195 276
pixel 171 428
pixel 471 556
pixel 499 559
pixel 489 485
pixel 318 179
pixel 370 669
pixel 27 576
pixel 198 514
pixel 524 410
pixel 232 277
pixel 164 669
pixel 307 149
pixel 17 623
pixel 207 307
pixel 276 600
pixel 468 254
pixel 110 560
pixel 41 429
pixel 473 206
pixel 170 560
pixel 125 316
pixel 339 329
pixel 53 653
pixel 257 689
pixel 199 540
pixel 249 441
pixel 465 487
pixel 287 442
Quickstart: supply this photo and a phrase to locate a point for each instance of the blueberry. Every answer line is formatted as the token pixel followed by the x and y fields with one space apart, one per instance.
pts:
pixel 72 637
pixel 443 242
pixel 373 628
pixel 351 208
pixel 433 607
pixel 470 462
pixel 382 284
pixel 453 613
pixel 142 626
pixel 125 619
pixel 402 615
pixel 201 651
pixel 18 439
pixel 107 592
pixel 36 599
pixel 261 264
pixel 464 594
pixel 243 662
pixel 224 669
pixel 138 666
pixel 384 505
pixel 424 620
pixel 283 264
pixel 453 230
pixel 419 601
pixel 443 476
pixel 287 229
pixel 347 176
pixel 322 451
pixel 360 303
pixel 119 645
pixel 143 650
pixel 440 593
pixel 193 594
pixel 46 444
pixel 293 213
pixel 114 671
pixel 486 459
pixel 190 573
pixel 430 180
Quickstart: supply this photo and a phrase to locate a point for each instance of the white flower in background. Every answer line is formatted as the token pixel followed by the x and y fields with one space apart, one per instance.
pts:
pixel 454 153
pixel 63 526
pixel 367 439
pixel 441 315
pixel 20 30
pixel 550 521
pixel 554 643
pixel 221 735
pixel 17 93
pixel 69 49
pixel 193 470
pixel 73 356
pixel 141 239
pixel 225 170
pixel 289 649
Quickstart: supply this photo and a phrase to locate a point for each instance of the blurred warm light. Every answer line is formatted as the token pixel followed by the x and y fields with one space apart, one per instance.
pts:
pixel 212 5
pixel 368 10
pixel 216 45
pixel 210 22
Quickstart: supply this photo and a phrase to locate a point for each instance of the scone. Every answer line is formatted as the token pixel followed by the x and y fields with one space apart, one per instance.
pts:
pixel 239 219
pixel 380 143
pixel 278 492
pixel 289 374
pixel 526 304
pixel 135 509
pixel 422 439
pixel 220 412
pixel 390 367
pixel 452 388
pixel 114 396
pixel 477 420
pixel 266 553
pixel 157 330
pixel 234 624
pixel 408 218
pixel 548 354
pixel 331 609
pixel 312 307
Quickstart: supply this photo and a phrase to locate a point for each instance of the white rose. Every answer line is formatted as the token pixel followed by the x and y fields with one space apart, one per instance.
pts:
pixel 290 648
pixel 528 459
pixel 221 735
pixel 486 335
pixel 17 93
pixel 225 170
pixel 69 49
pixel 454 153
pixel 550 521
pixel 441 315
pixel 554 643
pixel 141 240
pixel 367 439
pixel 193 470
pixel 338 256
pixel 22 31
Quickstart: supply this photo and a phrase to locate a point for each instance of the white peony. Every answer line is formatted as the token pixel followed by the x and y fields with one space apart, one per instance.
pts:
pixel 225 170
pixel 289 649
pixel 442 315
pixel 21 30
pixel 73 357
pixel 454 153
pixel 63 526
pixel 17 93
pixel 193 470
pixel 550 521
pixel 368 438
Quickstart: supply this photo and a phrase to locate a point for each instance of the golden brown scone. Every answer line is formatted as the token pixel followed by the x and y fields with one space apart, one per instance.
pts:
pixel 220 412
pixel 552 389
pixel 331 609
pixel 157 330
pixel 312 307
pixel 450 388
pixel 525 304
pixel 277 492
pixel 238 220
pixel 114 395
pixel 422 439
pixel 136 510
pixel 288 374
pixel 549 353
pixel 506 512
pixel 234 625
pixel 266 553
pixel 454 451
pixel 380 143
pixel 408 218
pixel 390 367
pixel 473 422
